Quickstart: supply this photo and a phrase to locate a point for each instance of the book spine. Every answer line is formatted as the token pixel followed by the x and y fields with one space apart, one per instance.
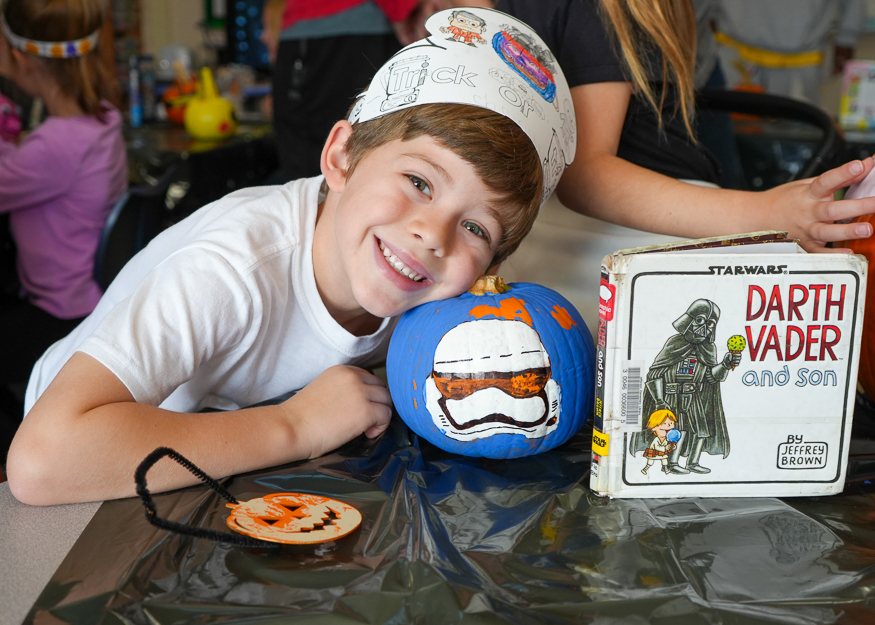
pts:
pixel 608 298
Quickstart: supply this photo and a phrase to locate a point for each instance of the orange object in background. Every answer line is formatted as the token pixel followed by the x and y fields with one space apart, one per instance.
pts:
pixel 747 84
pixel 744 116
pixel 177 97
pixel 866 373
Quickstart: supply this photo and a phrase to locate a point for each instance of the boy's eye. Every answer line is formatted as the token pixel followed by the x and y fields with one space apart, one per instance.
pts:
pixel 420 184
pixel 475 229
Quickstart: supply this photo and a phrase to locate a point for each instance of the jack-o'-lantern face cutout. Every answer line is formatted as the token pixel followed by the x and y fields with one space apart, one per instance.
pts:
pixel 294 518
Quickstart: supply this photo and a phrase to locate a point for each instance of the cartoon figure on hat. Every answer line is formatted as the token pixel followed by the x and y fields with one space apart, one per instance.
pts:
pixel 476 391
pixel 465 27
pixel 516 76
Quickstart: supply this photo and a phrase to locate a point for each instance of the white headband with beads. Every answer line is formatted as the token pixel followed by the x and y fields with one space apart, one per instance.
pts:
pixel 50 49
pixel 489 59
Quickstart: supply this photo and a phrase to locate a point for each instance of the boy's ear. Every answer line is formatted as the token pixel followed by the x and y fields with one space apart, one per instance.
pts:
pixel 335 160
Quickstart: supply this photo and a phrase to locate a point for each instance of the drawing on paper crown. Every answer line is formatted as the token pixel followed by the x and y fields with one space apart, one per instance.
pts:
pixel 465 27
pixel 527 59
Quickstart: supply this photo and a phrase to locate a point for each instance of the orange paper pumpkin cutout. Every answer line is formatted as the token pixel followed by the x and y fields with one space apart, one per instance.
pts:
pixel 294 518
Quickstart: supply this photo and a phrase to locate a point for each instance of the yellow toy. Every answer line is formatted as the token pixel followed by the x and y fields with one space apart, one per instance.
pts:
pixel 207 115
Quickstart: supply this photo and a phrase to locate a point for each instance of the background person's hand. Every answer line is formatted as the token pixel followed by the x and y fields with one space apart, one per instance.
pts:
pixel 812 215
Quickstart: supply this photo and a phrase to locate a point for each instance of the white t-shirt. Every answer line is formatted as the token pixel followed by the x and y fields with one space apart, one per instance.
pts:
pixel 220 310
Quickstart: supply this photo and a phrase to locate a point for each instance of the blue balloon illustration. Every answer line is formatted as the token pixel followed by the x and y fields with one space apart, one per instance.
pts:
pixel 673 436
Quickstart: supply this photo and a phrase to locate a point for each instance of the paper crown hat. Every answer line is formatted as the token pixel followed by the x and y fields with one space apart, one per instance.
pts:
pixel 484 58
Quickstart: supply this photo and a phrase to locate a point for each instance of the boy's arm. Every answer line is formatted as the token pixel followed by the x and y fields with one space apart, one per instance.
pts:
pixel 600 184
pixel 85 436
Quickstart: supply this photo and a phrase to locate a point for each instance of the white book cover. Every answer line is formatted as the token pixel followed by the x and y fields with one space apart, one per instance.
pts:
pixel 726 367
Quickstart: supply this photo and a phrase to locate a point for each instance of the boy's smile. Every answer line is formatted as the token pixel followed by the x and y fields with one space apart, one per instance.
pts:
pixel 395 261
pixel 412 224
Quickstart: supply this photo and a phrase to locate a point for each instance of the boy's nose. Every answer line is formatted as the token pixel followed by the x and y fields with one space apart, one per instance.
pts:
pixel 435 233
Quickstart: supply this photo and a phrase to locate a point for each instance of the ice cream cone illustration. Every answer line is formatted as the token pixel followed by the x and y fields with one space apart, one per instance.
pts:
pixel 736 345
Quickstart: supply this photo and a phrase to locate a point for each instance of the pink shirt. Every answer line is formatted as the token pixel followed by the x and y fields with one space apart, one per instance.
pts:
pixel 59 185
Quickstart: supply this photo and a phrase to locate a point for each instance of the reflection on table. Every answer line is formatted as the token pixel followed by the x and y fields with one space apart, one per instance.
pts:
pixel 208 170
pixel 451 539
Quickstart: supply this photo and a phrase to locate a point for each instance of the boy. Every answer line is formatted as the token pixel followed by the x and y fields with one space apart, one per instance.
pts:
pixel 274 289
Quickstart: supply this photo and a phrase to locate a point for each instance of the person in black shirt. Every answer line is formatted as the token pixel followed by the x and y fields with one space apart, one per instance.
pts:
pixel 630 65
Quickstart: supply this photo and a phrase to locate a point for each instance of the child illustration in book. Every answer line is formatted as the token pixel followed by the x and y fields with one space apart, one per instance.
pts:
pixel 660 423
pixel 685 378
pixel 465 27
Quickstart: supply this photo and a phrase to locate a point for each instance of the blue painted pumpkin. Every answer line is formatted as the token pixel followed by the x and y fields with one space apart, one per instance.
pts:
pixel 503 371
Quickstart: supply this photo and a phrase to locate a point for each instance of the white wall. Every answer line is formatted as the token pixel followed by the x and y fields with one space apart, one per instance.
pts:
pixel 166 22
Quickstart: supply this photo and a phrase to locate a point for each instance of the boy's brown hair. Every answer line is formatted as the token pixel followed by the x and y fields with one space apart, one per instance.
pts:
pixel 500 152
pixel 85 78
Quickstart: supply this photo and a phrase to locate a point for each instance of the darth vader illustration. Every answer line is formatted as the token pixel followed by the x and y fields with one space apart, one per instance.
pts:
pixel 685 378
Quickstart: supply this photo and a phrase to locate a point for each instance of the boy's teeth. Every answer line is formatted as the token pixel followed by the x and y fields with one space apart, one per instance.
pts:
pixel 400 267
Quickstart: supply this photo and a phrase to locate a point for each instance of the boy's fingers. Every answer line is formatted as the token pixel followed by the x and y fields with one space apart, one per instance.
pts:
pixel 366 376
pixel 379 394
pixel 370 378
pixel 375 430
pixel 831 181
pixel 375 388
pixel 380 416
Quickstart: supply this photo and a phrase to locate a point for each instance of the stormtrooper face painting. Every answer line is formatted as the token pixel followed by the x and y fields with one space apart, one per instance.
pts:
pixel 480 387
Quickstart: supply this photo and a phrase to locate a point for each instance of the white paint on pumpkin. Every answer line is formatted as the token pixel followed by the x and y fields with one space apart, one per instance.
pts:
pixel 499 345
pixel 492 401
pixel 484 346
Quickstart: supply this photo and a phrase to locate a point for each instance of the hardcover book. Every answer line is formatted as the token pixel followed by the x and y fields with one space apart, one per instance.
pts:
pixel 726 367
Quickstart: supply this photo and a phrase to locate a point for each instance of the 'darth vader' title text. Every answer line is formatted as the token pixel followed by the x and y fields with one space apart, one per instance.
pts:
pixel 795 321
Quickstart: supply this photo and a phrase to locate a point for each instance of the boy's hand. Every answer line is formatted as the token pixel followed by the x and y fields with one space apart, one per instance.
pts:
pixel 337 406
pixel 809 207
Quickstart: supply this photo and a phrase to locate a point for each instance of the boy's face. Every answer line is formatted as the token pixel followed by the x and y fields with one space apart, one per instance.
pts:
pixel 413 224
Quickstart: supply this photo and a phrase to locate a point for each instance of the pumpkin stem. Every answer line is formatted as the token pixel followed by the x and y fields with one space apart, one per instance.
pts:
pixel 489 285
